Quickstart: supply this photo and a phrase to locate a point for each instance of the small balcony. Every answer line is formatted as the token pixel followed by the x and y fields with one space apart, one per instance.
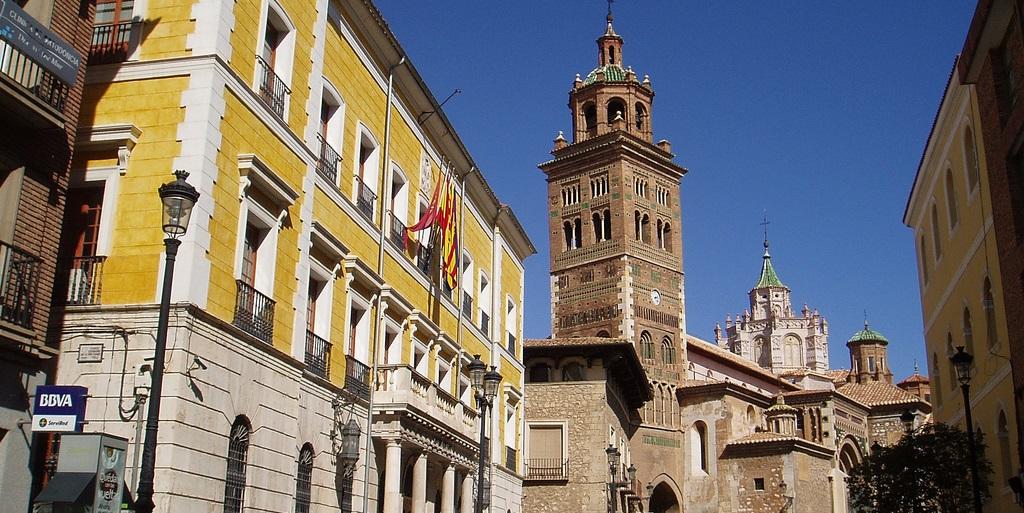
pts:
pixel 272 89
pixel 357 377
pixel 423 252
pixel 110 42
pixel 84 277
pixel 328 162
pixel 467 305
pixel 254 312
pixel 19 279
pixel 318 355
pixel 511 343
pixel 365 198
pixel 16 67
pixel 401 387
pixel 396 232
pixel 485 323
pixel 511 456
pixel 544 469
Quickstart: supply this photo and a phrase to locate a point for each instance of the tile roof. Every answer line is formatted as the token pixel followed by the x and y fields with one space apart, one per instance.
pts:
pixel 762 436
pixel 714 351
pixel 868 335
pixel 877 394
pixel 838 375
pixel 574 341
pixel 768 276
pixel 915 378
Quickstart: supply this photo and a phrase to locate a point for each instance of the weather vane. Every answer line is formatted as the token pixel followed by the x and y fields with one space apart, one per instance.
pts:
pixel 610 2
pixel 765 222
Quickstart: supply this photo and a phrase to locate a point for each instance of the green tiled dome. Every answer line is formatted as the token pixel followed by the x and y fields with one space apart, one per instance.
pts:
pixel 612 73
pixel 868 335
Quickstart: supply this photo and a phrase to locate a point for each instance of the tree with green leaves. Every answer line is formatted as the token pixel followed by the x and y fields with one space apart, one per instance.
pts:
pixel 929 470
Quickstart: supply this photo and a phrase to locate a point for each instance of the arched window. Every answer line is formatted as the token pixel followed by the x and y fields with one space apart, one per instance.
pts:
pixel 611 55
pixel 590 117
pixel 762 353
pixel 935 232
pixel 937 379
pixel 616 109
pixel 971 159
pixel 791 351
pixel 968 331
pixel 646 346
pixel 572 371
pixel 540 373
pixel 607 224
pixel 989 305
pixel 636 220
pixel 577 233
pixel 668 351
pixel 645 228
pixel 603 334
pixel 641 116
pixel 234 479
pixel 1003 439
pixel 304 479
pixel 699 447
pixel 660 235
pixel 667 237
pixel 598 224
pixel 954 217
pixel 751 416
pixel 567 232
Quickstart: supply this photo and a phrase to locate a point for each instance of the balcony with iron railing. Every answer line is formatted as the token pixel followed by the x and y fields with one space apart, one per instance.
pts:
pixel 254 312
pixel 511 458
pixel 328 161
pixel 110 42
pixel 85 275
pixel 357 377
pixel 272 89
pixel 401 387
pixel 544 469
pixel 19 279
pixel 365 199
pixel 396 231
pixel 511 343
pixel 423 252
pixel 467 305
pixel 36 81
pixel 318 355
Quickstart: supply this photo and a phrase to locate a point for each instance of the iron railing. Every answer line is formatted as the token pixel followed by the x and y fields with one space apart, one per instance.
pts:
pixel 547 468
pixel 328 162
pixel 254 312
pixel 510 458
pixel 396 233
pixel 467 305
pixel 511 343
pixel 84 278
pixel 357 377
pixel 318 355
pixel 485 323
pixel 423 252
pixel 39 82
pixel 365 198
pixel 19 279
pixel 110 42
pixel 273 90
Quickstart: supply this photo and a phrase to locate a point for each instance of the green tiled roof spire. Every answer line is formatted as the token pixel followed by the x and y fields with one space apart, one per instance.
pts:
pixel 868 335
pixel 768 276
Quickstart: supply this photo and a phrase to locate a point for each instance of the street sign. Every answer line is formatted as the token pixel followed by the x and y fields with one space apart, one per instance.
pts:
pixel 38 43
pixel 59 408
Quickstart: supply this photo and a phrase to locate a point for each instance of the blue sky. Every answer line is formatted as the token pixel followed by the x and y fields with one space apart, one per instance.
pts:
pixel 815 111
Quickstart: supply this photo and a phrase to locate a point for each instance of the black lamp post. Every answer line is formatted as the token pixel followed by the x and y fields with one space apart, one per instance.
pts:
pixel 178 198
pixel 349 455
pixel 614 463
pixel 962 364
pixel 485 388
pixel 650 495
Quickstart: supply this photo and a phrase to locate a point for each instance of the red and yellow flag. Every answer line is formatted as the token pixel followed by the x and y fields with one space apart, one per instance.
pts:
pixel 448 222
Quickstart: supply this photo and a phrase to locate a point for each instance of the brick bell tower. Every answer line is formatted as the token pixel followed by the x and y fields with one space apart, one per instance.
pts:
pixel 615 219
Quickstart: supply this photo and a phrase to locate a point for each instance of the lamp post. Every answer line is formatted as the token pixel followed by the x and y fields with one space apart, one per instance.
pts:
pixel 485 388
pixel 178 198
pixel 962 364
pixel 614 463
pixel 650 496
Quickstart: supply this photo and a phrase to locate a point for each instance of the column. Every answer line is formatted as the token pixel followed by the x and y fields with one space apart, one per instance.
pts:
pixel 419 484
pixel 448 489
pixel 468 498
pixel 393 477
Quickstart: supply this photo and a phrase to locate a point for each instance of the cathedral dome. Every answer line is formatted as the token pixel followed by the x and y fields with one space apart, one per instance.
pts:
pixel 609 73
pixel 868 335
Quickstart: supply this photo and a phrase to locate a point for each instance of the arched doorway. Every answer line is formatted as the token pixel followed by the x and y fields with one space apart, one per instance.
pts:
pixel 664 500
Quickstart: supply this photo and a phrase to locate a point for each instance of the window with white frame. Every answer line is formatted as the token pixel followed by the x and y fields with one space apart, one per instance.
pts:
pixel 274 61
pixel 329 134
pixel 319 298
pixel 511 324
pixel 464 389
pixel 444 373
pixel 398 205
pixel 359 329
pixel 392 344
pixel 485 304
pixel 598 185
pixel 366 173
pixel 468 283
pixel 420 358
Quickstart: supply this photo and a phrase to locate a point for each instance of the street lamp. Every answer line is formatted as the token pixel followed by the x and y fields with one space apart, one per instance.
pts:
pixel 614 464
pixel 485 388
pixel 349 447
pixel 962 364
pixel 177 198
pixel 650 496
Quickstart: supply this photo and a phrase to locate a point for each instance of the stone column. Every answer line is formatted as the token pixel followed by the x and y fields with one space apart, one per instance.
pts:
pixel 448 489
pixel 419 484
pixel 467 492
pixel 393 477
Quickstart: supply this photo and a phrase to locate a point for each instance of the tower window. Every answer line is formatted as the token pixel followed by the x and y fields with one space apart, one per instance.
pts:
pixel 598 186
pixel 646 346
pixel 616 109
pixel 611 55
pixel 607 224
pixel 590 116
pixel 571 194
pixel 641 116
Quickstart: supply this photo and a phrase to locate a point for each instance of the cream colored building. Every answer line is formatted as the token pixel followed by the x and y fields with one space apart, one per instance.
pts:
pixel 958 269
pixel 297 303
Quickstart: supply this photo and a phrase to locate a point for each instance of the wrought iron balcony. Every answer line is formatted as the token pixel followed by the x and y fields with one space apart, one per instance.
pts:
pixel 485 323
pixel 31 76
pixel 254 312
pixel 510 458
pixel 547 468
pixel 365 198
pixel 423 252
pixel 318 355
pixel 84 278
pixel 19 279
pixel 511 343
pixel 110 42
pixel 357 377
pixel 273 90
pixel 467 305
pixel 396 233
pixel 328 162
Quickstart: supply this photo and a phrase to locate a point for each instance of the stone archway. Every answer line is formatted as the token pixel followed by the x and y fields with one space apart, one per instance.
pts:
pixel 664 500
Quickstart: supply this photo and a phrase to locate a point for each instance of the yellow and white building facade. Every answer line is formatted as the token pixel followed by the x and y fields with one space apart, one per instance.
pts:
pixel 958 269
pixel 297 304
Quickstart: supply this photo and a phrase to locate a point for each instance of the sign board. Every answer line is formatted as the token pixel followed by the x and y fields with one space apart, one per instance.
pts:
pixel 110 475
pixel 90 474
pixel 59 408
pixel 38 43
pixel 90 353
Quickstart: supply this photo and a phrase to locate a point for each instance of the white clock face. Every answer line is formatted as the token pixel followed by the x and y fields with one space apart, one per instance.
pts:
pixel 656 297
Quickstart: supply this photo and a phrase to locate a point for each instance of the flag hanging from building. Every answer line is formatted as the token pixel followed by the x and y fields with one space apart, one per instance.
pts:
pixel 429 216
pixel 448 222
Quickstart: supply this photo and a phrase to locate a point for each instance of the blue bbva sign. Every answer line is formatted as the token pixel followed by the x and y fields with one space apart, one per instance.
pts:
pixel 59 408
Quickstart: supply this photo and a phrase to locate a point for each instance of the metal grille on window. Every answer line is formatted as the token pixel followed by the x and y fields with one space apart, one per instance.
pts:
pixel 303 479
pixel 234 480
